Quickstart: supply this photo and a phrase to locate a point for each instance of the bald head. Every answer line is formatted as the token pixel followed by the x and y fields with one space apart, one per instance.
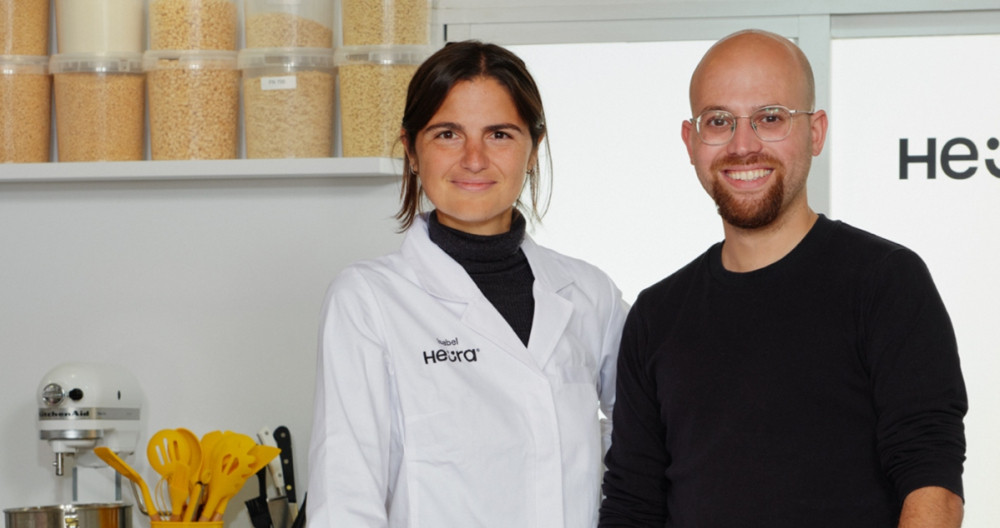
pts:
pixel 762 51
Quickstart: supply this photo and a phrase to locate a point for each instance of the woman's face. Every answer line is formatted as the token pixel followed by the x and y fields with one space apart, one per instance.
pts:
pixel 472 157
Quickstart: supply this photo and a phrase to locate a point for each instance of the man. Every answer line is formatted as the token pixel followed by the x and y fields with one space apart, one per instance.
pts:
pixel 802 373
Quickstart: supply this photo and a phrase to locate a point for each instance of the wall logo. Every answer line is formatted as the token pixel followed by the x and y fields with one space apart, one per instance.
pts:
pixel 959 158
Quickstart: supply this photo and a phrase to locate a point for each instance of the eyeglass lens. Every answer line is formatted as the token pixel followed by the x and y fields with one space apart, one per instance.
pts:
pixel 716 127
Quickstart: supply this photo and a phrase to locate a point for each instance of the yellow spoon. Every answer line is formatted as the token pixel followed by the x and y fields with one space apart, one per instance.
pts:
pixel 120 466
pixel 231 465
pixel 201 474
pixel 170 456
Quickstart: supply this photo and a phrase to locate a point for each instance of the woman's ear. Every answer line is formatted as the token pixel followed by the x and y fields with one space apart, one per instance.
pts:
pixel 411 157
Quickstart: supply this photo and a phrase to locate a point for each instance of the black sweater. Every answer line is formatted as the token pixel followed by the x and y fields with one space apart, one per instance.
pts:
pixel 497 265
pixel 817 391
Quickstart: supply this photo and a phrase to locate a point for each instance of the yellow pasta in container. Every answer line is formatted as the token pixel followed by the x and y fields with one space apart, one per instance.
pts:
pixel 288 23
pixel 385 22
pixel 373 83
pixel 288 104
pixel 193 104
pixel 192 25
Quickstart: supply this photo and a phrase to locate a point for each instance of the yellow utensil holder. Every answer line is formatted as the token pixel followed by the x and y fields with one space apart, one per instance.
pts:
pixel 180 524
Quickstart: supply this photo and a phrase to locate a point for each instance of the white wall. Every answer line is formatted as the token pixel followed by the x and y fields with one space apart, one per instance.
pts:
pixel 209 292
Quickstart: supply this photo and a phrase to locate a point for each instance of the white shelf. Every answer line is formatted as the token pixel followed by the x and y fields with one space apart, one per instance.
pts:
pixel 200 170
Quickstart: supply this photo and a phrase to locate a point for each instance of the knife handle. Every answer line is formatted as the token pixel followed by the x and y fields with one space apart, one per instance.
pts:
pixel 274 467
pixel 284 440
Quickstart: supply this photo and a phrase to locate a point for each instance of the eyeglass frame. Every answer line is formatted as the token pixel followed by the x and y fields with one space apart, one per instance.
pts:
pixel 696 122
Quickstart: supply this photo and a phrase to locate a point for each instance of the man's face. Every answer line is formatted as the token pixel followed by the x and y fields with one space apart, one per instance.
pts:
pixel 753 182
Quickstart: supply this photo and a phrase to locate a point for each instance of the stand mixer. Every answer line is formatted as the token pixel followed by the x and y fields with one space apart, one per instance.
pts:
pixel 85 405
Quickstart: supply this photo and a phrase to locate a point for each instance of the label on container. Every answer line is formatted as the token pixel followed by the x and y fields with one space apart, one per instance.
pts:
pixel 285 82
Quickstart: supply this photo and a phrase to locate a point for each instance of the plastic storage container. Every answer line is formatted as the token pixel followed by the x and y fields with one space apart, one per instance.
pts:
pixel 288 104
pixel 99 26
pixel 24 27
pixel 373 83
pixel 288 23
pixel 385 22
pixel 25 115
pixel 193 104
pixel 192 25
pixel 99 106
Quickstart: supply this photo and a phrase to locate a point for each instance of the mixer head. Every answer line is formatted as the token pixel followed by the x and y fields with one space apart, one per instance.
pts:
pixel 85 405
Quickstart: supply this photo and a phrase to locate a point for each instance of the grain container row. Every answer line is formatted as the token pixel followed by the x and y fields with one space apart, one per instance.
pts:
pixel 117 26
pixel 288 106
pixel 191 77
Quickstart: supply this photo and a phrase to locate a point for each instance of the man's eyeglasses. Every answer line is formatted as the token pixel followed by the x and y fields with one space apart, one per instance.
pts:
pixel 771 123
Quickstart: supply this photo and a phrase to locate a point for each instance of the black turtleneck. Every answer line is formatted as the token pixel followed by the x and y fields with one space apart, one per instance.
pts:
pixel 497 265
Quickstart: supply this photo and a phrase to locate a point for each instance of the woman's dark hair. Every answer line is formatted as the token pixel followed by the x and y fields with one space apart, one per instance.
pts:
pixel 465 61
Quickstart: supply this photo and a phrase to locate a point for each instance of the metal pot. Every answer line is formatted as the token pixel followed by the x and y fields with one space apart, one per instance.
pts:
pixel 109 515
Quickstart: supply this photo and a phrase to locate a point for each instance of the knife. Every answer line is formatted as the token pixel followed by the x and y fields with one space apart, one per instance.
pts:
pixel 284 440
pixel 281 514
pixel 274 467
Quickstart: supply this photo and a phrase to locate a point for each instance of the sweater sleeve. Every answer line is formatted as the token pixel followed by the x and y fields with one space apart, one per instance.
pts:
pixel 917 384
pixel 635 483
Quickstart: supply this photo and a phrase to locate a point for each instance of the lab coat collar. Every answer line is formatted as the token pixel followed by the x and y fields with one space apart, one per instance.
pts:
pixel 443 277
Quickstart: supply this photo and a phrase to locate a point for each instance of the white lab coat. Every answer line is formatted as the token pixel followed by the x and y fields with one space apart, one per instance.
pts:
pixel 431 413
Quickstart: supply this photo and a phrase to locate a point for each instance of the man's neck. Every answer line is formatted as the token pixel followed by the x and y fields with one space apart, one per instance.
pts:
pixel 752 249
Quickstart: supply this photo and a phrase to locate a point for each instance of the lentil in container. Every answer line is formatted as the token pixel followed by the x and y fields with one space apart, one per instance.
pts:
pixel 99 116
pixel 24 27
pixel 25 115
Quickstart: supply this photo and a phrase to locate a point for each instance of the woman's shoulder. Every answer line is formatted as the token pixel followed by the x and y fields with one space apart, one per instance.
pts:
pixel 560 265
pixel 378 272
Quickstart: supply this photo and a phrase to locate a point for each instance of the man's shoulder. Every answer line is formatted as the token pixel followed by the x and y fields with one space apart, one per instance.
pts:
pixel 680 280
pixel 846 241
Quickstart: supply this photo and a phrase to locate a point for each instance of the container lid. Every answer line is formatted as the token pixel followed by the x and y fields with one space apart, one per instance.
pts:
pixel 96 63
pixel 287 58
pixel 382 55
pixel 34 64
pixel 189 59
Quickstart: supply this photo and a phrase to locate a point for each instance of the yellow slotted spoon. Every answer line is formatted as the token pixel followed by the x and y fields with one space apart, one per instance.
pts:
pixel 119 465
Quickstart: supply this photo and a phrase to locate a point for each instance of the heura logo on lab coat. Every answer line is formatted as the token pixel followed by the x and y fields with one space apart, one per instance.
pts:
pixel 960 149
pixel 441 355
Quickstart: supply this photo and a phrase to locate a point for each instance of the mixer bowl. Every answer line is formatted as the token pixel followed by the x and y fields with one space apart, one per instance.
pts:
pixel 108 515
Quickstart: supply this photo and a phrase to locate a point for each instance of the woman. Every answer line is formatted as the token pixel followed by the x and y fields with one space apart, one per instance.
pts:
pixel 459 378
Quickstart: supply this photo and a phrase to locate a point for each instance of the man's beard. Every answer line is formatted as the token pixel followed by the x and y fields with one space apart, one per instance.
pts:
pixel 749 214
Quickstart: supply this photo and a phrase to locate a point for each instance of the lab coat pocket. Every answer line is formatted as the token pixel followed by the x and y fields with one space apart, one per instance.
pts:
pixel 468 469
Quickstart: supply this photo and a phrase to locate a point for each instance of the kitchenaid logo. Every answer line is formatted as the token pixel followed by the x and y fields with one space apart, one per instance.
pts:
pixel 63 414
pixel 91 413
pixel 442 355
pixel 959 158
